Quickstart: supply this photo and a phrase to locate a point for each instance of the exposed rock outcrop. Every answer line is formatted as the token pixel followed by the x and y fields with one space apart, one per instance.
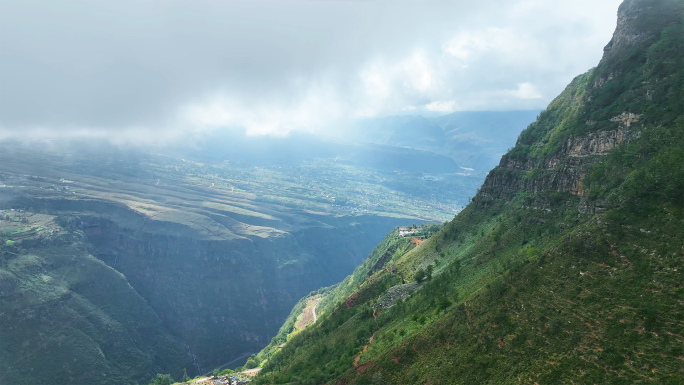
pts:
pixel 627 33
pixel 395 293
pixel 562 171
pixel 600 143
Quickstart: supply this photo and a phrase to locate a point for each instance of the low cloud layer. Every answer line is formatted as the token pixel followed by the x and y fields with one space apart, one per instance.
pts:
pixel 145 70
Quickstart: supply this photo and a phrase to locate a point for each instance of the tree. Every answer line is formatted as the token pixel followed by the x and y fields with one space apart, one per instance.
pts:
pixel 456 267
pixel 251 363
pixel 419 276
pixel 162 379
pixel 186 378
pixel 444 303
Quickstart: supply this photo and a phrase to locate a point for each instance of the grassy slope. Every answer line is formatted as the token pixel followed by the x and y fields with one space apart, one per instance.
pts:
pixel 390 248
pixel 544 286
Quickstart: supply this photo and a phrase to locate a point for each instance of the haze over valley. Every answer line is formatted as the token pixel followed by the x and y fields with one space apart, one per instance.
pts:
pixel 213 242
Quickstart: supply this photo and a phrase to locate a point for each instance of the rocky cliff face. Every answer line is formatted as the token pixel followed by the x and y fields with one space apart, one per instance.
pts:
pixel 628 32
pixel 599 111
pixel 639 24
pixel 564 170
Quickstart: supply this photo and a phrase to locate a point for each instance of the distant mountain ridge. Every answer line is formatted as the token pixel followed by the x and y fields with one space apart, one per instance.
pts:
pixel 474 139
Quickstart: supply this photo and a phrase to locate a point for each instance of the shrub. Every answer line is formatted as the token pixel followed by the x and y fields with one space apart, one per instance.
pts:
pixel 419 276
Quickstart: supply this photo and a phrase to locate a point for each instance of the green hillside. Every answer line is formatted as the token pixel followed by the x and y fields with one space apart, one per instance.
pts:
pixel 69 318
pixel 565 268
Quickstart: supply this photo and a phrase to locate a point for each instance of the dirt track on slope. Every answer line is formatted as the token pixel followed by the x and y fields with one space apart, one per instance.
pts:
pixel 309 315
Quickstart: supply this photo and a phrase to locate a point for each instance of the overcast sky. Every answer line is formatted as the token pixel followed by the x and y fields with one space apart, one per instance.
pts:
pixel 161 68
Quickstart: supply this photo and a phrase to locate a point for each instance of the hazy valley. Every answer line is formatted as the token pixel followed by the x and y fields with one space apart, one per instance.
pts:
pixel 134 262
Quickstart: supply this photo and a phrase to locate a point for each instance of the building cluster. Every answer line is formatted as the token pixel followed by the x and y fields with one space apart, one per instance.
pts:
pixel 221 380
pixel 404 231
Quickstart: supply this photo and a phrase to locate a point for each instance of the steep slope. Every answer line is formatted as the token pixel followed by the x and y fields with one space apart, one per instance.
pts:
pixel 66 317
pixel 327 298
pixel 567 265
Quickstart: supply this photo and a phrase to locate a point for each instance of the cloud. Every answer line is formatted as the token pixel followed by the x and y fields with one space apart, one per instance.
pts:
pixel 144 69
pixel 441 106
pixel 314 108
pixel 527 91
pixel 467 44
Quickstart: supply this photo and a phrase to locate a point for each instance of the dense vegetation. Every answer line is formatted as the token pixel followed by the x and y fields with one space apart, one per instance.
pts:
pixel 567 266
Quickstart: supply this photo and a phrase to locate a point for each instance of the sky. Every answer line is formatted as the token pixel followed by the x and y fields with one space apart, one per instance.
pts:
pixel 151 70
